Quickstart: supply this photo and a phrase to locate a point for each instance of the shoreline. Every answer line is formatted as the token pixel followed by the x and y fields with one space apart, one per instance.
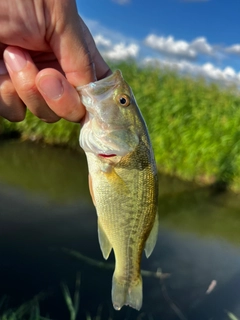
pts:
pixel 193 125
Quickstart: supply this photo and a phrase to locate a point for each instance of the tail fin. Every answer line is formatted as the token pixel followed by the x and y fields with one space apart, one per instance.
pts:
pixel 126 295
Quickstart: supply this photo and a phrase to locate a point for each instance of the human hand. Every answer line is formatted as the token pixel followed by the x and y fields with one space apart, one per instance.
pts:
pixel 47 51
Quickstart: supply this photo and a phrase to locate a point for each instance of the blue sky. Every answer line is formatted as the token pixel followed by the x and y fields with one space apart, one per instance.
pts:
pixel 193 36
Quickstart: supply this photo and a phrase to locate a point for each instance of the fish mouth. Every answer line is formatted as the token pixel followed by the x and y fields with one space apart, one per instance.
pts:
pixel 106 155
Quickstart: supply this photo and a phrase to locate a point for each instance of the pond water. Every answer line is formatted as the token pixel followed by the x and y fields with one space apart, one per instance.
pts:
pixel 45 206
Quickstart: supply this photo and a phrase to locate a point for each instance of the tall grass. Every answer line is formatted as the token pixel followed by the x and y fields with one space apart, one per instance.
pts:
pixel 27 311
pixel 30 310
pixel 194 125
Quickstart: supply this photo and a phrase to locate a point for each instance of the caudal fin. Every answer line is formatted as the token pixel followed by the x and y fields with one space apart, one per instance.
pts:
pixel 124 295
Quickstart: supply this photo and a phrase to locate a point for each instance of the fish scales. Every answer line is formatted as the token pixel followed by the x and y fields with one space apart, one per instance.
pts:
pixel 123 181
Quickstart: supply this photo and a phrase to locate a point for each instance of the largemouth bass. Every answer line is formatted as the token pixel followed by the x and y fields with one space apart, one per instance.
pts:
pixel 122 180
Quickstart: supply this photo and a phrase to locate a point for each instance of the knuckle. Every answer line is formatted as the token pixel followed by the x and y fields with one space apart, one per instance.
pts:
pixel 26 87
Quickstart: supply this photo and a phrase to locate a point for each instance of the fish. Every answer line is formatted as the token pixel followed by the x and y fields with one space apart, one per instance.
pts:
pixel 123 181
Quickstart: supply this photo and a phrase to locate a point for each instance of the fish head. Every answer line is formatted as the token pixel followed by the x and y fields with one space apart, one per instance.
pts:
pixel 110 127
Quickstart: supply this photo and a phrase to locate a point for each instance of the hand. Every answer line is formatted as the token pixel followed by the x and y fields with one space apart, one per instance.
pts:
pixel 46 50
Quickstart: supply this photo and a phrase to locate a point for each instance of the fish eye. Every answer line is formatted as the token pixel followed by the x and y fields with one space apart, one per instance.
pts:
pixel 123 100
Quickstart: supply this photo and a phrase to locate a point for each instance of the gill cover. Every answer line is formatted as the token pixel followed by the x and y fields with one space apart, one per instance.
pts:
pixel 110 125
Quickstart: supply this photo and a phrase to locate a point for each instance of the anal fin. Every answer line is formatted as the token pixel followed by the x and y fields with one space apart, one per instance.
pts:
pixel 105 245
pixel 152 238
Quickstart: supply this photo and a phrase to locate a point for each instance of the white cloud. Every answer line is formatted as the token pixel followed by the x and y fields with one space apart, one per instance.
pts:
pixel 121 51
pixel 105 35
pixel 212 72
pixel 227 75
pixel 179 48
pixel 229 72
pixel 200 45
pixel 170 46
pixel 101 41
pixel 233 49
pixel 113 45
pixel 196 57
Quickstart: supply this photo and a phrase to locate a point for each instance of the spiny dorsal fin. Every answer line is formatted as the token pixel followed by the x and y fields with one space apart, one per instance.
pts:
pixel 152 238
pixel 105 245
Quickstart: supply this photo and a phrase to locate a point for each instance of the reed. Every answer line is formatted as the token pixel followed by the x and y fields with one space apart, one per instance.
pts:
pixel 194 125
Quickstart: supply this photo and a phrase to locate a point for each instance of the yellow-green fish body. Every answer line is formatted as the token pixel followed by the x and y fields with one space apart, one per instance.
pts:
pixel 123 181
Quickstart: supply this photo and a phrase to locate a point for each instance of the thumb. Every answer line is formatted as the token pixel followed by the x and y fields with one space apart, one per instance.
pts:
pixel 66 37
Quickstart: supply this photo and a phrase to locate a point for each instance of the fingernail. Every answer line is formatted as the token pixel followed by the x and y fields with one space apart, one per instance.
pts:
pixel 51 87
pixel 15 59
pixel 3 69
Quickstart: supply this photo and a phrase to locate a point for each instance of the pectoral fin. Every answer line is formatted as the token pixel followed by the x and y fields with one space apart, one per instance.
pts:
pixel 117 182
pixel 152 238
pixel 105 245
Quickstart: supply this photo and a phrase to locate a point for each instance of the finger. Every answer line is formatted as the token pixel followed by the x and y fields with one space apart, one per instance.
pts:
pixel 23 72
pixel 60 95
pixel 65 36
pixel 102 70
pixel 11 107
pixel 69 31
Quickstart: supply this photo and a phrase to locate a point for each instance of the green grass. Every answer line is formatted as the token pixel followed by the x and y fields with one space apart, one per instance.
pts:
pixel 231 316
pixel 27 311
pixel 194 125
pixel 31 310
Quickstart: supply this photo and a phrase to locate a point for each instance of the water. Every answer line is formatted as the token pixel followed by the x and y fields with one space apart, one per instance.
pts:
pixel 45 206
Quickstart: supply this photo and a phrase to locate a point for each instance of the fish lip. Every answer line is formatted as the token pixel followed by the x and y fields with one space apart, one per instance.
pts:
pixel 103 155
pixel 112 80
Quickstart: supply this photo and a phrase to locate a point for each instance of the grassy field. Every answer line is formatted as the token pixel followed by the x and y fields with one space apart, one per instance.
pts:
pixel 194 126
